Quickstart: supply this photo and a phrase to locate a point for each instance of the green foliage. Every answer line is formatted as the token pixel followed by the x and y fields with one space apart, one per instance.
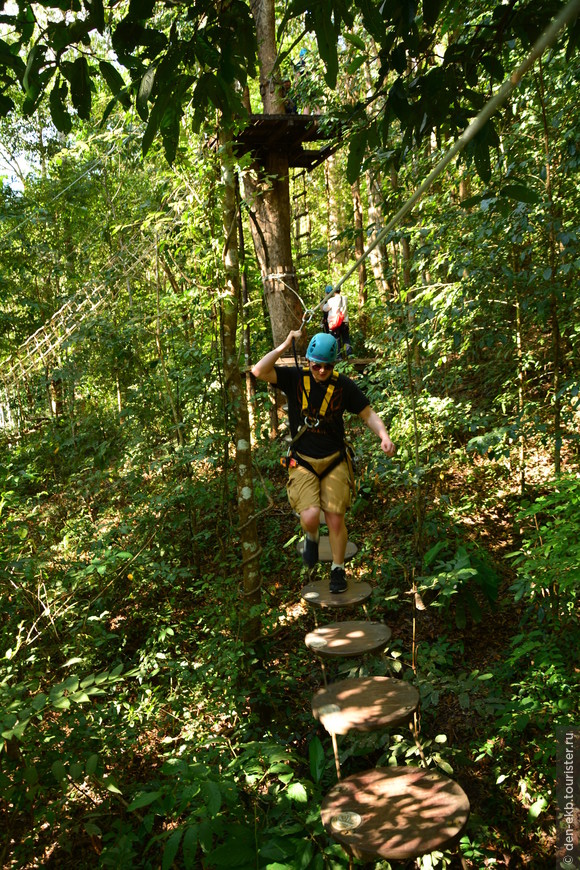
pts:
pixel 454 581
pixel 548 562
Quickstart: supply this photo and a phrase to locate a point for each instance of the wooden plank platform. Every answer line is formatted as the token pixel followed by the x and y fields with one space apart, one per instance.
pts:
pixel 287 133
pixel 324 551
pixel 318 594
pixel 347 639
pixel 395 813
pixel 364 704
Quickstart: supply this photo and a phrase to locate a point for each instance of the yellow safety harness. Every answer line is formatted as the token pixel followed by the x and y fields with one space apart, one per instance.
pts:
pixel 312 421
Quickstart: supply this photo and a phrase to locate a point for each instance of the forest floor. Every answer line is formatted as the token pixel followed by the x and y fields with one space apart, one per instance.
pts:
pixel 486 706
pixel 506 833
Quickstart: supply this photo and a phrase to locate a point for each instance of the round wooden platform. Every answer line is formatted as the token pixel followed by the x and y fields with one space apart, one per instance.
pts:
pixel 324 551
pixel 318 594
pixel 364 704
pixel 395 812
pixel 349 638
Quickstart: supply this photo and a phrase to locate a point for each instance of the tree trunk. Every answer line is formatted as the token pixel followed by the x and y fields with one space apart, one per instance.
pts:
pixel 267 192
pixel 266 189
pixel 229 305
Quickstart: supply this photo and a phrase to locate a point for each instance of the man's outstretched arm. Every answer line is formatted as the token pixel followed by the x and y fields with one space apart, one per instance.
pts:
pixel 264 369
pixel 376 425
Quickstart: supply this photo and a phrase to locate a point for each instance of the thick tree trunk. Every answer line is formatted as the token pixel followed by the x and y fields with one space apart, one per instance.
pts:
pixel 236 393
pixel 266 189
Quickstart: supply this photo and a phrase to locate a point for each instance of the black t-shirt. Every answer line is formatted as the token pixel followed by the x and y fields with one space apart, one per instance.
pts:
pixel 328 436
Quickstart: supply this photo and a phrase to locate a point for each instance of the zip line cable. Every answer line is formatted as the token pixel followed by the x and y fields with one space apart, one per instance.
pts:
pixel 548 37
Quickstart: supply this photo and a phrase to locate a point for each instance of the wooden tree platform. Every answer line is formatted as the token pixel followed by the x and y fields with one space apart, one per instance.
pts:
pixel 365 704
pixel 395 813
pixel 318 594
pixel 348 639
pixel 287 133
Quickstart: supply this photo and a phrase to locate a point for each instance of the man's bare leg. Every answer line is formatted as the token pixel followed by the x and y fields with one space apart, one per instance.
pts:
pixel 310 522
pixel 338 534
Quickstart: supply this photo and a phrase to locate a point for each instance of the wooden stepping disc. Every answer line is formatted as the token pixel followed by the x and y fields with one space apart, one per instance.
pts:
pixel 364 704
pixel 324 551
pixel 318 594
pixel 395 812
pixel 349 638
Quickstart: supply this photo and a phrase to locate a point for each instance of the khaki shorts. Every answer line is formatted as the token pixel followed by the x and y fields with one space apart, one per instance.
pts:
pixel 332 493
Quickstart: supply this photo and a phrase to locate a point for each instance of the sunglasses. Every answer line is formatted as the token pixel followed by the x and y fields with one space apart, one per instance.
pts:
pixel 321 367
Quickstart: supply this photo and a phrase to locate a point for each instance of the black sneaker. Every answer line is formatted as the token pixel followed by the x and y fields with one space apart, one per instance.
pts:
pixel 338 580
pixel 310 552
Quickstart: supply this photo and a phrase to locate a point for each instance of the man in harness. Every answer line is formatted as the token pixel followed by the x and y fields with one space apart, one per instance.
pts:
pixel 319 466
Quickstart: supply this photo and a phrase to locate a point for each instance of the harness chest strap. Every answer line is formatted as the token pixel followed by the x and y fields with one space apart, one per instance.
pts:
pixel 306 394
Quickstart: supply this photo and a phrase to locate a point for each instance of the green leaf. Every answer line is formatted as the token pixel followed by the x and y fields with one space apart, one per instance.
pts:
pixel 91 764
pixel 115 82
pixel 355 64
pixel 154 122
pixel 189 847
pixel 431 10
pixel 171 849
pixel 144 94
pixel 81 88
pixel 76 770
pixel 317 759
pixel 537 807
pixel 355 40
pixel 297 793
pixel 355 156
pixel 444 765
pixel 326 38
pixel 521 193
pixel 212 796
pixel 493 66
pixel 33 58
pixel 143 800
pixel 58 771
pixel 97 13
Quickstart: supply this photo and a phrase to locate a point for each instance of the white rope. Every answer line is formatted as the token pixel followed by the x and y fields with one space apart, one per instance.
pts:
pixel 548 37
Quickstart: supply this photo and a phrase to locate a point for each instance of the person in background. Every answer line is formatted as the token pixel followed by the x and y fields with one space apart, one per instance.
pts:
pixel 319 467
pixel 337 309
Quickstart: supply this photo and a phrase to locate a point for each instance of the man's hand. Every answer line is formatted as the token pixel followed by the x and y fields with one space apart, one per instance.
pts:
pixel 387 446
pixel 264 369
pixel 293 335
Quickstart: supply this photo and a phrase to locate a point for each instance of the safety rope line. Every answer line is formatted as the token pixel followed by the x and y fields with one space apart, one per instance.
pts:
pixel 548 37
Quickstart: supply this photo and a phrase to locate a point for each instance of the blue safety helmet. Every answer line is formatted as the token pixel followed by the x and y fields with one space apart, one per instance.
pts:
pixel 323 348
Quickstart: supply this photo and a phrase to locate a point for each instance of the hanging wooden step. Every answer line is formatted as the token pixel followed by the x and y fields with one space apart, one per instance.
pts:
pixel 318 594
pixel 395 813
pixel 324 551
pixel 348 639
pixel 365 704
